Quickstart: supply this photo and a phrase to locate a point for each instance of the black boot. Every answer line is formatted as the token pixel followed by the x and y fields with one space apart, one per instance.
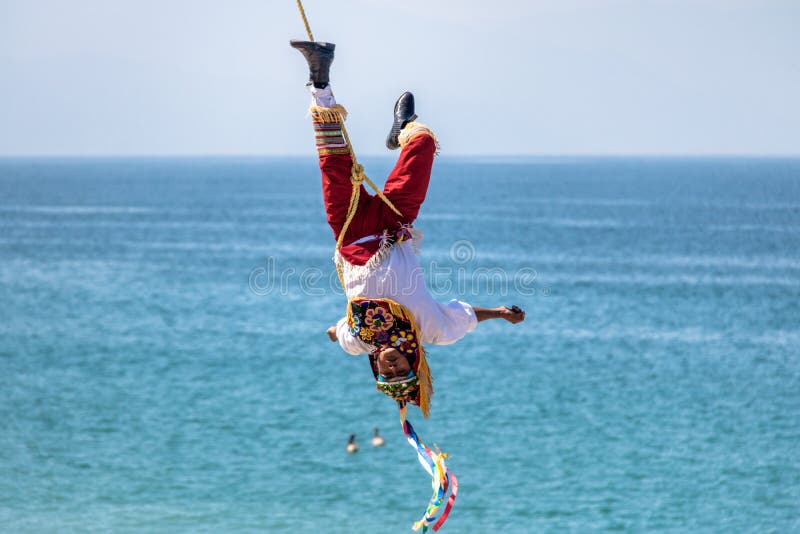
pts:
pixel 319 57
pixel 403 114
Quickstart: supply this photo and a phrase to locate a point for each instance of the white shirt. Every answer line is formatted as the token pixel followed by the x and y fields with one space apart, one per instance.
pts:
pixel 400 277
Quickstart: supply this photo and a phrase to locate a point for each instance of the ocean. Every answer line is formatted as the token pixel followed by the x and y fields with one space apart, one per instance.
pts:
pixel 164 365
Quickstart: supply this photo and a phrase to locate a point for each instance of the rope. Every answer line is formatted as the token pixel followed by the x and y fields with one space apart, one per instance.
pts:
pixel 305 20
pixel 357 176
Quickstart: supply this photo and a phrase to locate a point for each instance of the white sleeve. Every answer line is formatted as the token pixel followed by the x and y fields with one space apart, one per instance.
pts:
pixel 456 319
pixel 349 343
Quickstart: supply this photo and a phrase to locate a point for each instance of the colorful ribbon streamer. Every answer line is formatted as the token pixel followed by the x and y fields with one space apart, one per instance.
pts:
pixel 442 480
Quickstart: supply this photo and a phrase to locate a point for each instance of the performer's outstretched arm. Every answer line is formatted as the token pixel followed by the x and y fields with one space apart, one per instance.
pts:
pixel 513 315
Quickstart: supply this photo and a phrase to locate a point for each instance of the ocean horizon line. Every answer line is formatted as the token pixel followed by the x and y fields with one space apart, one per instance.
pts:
pixel 392 155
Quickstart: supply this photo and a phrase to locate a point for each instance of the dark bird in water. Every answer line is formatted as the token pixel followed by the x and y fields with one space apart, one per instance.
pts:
pixel 352 446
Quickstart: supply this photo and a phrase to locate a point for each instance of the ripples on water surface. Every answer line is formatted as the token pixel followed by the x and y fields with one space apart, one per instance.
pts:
pixel 144 387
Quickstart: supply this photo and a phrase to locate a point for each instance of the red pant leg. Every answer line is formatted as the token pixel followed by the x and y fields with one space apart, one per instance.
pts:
pixel 408 182
pixel 406 187
pixel 335 163
pixel 336 192
pixel 336 188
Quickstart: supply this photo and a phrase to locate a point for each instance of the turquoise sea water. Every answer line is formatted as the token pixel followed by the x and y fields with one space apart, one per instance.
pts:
pixel 164 367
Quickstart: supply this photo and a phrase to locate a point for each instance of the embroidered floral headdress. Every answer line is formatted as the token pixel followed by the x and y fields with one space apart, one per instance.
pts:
pixel 384 324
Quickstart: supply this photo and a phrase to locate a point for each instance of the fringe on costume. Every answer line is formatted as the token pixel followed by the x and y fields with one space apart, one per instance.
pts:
pixel 416 240
pixel 413 129
pixel 425 382
pixel 328 131
pixel 335 114
pixel 359 273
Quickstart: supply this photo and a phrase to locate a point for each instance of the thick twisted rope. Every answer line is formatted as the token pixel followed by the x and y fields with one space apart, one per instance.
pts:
pixel 305 20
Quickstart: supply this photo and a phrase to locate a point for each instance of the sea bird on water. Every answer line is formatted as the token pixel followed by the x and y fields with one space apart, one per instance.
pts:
pixel 378 441
pixel 352 446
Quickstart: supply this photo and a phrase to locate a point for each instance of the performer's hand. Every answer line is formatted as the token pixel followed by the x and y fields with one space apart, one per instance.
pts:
pixel 513 315
pixel 331 331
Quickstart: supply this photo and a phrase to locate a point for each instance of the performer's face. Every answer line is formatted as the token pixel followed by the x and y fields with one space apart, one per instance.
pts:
pixel 392 365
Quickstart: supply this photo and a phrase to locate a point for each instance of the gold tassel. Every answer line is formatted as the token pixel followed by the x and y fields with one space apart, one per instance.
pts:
pixel 336 114
pixel 349 313
pixel 425 384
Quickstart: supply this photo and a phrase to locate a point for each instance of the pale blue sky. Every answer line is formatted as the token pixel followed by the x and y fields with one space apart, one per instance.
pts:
pixel 109 77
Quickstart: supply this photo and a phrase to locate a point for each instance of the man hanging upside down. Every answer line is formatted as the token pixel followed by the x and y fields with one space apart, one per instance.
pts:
pixel 390 313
